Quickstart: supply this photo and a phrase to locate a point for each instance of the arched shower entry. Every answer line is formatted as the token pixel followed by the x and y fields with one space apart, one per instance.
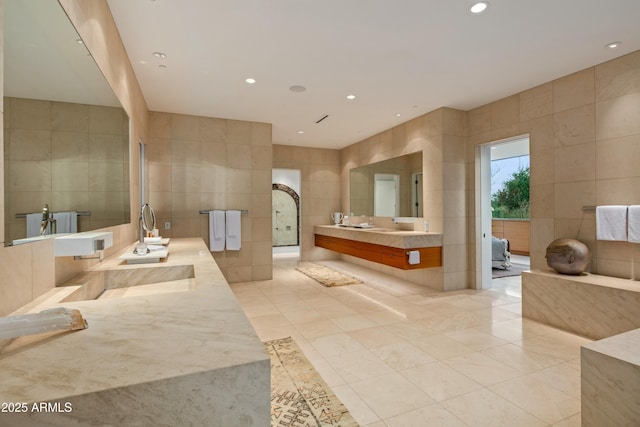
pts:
pixel 285 218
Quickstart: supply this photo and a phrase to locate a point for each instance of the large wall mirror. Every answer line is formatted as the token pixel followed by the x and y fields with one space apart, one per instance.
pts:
pixel 388 188
pixel 66 136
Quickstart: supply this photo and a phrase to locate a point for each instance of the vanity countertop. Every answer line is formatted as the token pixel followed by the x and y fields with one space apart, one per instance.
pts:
pixel 176 355
pixel 382 236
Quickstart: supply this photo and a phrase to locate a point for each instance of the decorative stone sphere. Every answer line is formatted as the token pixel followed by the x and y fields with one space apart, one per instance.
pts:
pixel 568 256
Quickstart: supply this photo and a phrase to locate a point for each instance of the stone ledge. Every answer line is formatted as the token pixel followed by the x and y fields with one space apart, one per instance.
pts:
pixel 610 381
pixel 589 305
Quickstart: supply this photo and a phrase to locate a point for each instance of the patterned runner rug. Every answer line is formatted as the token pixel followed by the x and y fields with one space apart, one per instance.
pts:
pixel 299 396
pixel 328 276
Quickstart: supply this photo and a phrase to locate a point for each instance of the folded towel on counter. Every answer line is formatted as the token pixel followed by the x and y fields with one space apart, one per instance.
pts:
pixel 217 230
pixel 153 240
pixel 234 225
pixel 634 224
pixel 33 224
pixel 155 247
pixel 611 222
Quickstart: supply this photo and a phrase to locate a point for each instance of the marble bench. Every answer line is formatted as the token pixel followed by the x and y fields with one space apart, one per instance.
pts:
pixel 610 381
pixel 590 305
pixel 603 308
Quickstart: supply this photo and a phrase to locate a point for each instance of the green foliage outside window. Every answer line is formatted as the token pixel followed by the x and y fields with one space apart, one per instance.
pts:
pixel 512 201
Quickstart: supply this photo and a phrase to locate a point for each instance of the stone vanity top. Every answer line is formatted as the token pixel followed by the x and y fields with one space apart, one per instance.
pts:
pixel 623 346
pixel 382 236
pixel 149 337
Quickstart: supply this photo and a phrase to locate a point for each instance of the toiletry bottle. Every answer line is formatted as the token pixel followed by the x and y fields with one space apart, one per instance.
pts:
pixel 426 225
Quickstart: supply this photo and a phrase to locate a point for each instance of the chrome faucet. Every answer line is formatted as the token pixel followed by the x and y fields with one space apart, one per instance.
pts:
pixel 47 218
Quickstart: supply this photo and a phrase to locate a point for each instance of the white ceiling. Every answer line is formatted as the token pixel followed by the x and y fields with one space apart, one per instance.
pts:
pixel 408 57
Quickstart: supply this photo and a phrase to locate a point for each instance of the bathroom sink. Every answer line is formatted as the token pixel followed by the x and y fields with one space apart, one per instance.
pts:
pixel 120 283
pixel 36 238
pixel 180 285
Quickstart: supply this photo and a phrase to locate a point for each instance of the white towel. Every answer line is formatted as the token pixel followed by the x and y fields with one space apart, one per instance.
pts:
pixel 66 222
pixel 153 240
pixel 234 238
pixel 414 257
pixel 611 222
pixel 634 224
pixel 33 224
pixel 217 231
pixel 73 226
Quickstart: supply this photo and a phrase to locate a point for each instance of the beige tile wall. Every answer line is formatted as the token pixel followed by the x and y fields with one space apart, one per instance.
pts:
pixel 200 163
pixel 320 192
pixel 456 185
pixel 441 136
pixel 584 141
pixel 28 271
pixel 2 171
pixel 73 157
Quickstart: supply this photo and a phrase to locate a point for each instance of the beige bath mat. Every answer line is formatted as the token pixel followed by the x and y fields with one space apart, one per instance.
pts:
pixel 328 276
pixel 299 396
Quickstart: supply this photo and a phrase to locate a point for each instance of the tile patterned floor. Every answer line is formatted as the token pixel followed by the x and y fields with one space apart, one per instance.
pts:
pixel 398 354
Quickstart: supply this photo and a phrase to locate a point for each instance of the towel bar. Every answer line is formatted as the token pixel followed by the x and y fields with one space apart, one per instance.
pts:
pixel 242 211
pixel 24 215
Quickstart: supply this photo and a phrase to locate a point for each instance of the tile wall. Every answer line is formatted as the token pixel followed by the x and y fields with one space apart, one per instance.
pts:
pixel 585 144
pixel 440 135
pixel 320 193
pixel 30 270
pixel 584 131
pixel 2 171
pixel 202 163
pixel 73 157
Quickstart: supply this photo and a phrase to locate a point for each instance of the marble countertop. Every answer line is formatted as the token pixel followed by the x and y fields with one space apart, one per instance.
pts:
pixel 135 340
pixel 591 279
pixel 623 346
pixel 382 236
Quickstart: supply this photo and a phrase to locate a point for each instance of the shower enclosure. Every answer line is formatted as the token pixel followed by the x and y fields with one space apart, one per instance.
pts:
pixel 285 216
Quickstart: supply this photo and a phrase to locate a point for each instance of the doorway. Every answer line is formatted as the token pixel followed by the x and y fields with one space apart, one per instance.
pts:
pixel 386 188
pixel 286 216
pixel 497 164
pixel 286 213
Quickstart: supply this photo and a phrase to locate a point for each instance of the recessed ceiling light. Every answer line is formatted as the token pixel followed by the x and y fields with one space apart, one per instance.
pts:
pixel 162 67
pixel 79 41
pixel 351 97
pixel 159 55
pixel 613 45
pixel 297 88
pixel 250 80
pixel 300 132
pixel 479 7
pixel 397 114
